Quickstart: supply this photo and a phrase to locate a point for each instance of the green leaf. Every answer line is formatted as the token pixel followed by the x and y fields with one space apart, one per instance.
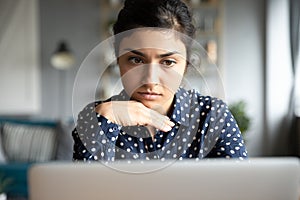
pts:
pixel 5 182
pixel 238 110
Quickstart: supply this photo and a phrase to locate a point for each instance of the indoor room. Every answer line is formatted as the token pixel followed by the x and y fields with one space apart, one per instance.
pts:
pixel 57 57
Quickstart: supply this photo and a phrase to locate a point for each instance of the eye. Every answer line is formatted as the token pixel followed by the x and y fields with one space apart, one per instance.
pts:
pixel 168 63
pixel 135 60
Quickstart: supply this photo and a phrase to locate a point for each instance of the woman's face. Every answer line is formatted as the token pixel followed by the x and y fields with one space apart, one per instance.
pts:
pixel 152 64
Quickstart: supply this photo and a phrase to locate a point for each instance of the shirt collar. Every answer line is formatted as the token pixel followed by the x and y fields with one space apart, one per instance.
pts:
pixel 122 96
pixel 181 111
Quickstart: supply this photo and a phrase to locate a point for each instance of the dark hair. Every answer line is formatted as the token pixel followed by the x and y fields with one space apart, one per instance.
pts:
pixel 170 14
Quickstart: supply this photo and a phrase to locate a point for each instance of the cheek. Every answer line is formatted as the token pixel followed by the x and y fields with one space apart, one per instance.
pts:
pixel 130 79
pixel 172 79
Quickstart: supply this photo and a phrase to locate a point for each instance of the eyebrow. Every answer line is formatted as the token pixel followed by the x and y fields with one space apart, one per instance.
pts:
pixel 143 55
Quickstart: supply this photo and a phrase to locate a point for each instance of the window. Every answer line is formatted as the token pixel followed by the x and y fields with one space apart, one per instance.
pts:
pixel 297 87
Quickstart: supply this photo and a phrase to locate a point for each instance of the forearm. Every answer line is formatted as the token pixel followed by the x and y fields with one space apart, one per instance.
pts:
pixel 94 136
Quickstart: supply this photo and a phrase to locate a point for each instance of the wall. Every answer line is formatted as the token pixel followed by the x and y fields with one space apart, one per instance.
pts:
pixel 19 58
pixel 77 22
pixel 243 56
pixel 243 62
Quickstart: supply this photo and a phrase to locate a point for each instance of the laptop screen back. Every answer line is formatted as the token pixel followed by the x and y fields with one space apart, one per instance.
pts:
pixel 263 178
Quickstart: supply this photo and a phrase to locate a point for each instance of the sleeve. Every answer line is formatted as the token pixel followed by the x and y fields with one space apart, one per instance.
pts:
pixel 230 143
pixel 94 136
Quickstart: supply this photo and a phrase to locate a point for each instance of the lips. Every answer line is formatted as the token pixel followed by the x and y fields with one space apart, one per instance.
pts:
pixel 149 95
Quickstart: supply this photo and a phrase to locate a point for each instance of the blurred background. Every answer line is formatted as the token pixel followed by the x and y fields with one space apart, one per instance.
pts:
pixel 255 45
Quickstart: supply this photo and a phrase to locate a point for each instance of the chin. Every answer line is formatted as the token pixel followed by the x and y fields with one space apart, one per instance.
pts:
pixel 157 106
pixel 149 104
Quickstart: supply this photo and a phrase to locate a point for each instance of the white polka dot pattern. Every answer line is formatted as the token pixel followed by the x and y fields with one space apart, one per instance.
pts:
pixel 204 129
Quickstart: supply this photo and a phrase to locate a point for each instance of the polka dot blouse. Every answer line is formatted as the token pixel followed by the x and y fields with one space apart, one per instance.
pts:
pixel 204 128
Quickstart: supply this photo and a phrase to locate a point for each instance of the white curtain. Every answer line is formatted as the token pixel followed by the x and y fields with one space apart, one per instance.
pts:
pixel 279 77
pixel 295 95
pixel 295 41
pixel 297 87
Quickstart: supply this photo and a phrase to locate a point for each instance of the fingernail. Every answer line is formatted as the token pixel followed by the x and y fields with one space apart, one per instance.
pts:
pixel 172 123
pixel 167 128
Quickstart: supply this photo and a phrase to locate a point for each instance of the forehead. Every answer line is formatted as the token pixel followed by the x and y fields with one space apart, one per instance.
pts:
pixel 153 39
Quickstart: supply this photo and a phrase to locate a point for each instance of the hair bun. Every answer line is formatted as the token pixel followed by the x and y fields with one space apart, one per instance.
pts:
pixel 129 3
pixel 134 3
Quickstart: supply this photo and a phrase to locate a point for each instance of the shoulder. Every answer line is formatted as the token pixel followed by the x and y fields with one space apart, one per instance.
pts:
pixel 197 99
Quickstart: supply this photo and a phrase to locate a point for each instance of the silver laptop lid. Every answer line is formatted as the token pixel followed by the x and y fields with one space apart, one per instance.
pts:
pixel 259 179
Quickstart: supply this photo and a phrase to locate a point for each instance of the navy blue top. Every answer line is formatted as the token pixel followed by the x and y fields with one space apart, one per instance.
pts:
pixel 204 128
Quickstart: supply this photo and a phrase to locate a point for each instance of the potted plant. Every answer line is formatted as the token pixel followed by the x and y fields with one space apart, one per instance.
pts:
pixel 238 110
pixel 4 183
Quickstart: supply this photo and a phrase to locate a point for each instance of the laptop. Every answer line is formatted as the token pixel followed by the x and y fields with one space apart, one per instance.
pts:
pixel 253 179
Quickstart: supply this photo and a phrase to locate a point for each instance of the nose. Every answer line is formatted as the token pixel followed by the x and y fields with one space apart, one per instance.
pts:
pixel 151 74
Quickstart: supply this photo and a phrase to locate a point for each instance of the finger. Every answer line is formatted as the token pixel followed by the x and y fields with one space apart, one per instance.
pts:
pixel 151 117
pixel 160 122
pixel 170 123
pixel 165 125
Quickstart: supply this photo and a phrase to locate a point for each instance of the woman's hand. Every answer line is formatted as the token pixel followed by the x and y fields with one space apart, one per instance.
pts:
pixel 133 113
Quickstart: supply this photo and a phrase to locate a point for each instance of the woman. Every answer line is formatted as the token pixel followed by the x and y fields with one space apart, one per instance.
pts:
pixel 153 117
